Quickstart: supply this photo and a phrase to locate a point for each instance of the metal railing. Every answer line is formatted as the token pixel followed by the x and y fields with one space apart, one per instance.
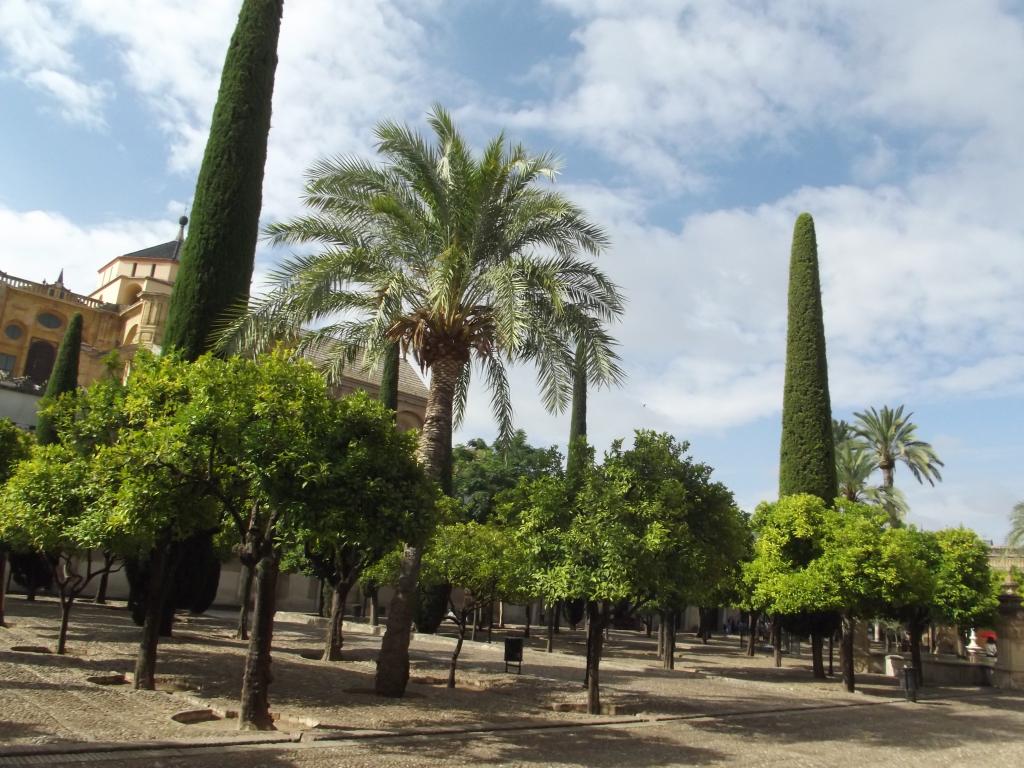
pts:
pixel 53 291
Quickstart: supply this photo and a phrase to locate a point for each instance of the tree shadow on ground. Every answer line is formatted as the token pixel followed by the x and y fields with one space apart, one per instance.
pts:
pixel 927 725
pixel 597 747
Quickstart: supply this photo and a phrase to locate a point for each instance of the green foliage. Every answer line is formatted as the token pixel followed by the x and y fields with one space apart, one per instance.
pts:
pixel 810 558
pixel 217 260
pixel 47 504
pixel 15 446
pixel 483 472
pixel 482 559
pixel 647 526
pixel 966 589
pixel 788 539
pixel 371 494
pixel 707 537
pixel 64 377
pixel 807 461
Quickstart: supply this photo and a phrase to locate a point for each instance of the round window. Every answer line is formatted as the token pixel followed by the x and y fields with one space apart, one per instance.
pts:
pixel 48 320
pixel 13 331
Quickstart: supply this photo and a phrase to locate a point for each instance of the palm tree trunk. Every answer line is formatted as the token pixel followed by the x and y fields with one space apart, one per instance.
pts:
pixel 435 452
pixel 887 474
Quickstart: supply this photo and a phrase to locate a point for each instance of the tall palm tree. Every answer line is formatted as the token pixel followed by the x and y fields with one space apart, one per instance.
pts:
pixel 463 260
pixel 855 463
pixel 892 437
pixel 1016 537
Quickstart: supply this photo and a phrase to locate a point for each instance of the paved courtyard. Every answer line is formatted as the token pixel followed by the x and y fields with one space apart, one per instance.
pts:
pixel 718 707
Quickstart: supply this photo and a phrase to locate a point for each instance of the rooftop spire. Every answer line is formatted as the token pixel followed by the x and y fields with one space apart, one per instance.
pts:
pixel 60 277
pixel 182 222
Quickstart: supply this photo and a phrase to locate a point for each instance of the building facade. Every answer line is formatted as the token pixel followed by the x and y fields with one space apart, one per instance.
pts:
pixel 127 311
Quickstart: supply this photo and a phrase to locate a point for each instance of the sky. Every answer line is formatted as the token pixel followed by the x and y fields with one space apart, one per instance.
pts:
pixel 693 131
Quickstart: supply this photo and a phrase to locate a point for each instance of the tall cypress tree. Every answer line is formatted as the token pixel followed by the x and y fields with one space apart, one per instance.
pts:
pixel 63 378
pixel 389 377
pixel 217 260
pixel 215 273
pixel 577 451
pixel 807 462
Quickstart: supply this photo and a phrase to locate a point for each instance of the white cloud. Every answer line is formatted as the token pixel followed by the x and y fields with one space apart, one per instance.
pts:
pixel 38 244
pixel 342 67
pixel 37 43
pixel 665 86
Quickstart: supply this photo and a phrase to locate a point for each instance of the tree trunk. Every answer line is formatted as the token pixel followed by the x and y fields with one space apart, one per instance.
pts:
pixel 661 634
pixel 831 640
pixel 668 618
pixel 3 585
pixel 334 638
pixel 529 611
pixel 846 653
pixel 552 607
pixel 435 453
pixel 752 640
pixel 456 652
pixel 393 659
pixel 65 616
pixel 595 638
pixel 916 630
pixel 374 605
pixel 254 712
pixel 777 640
pixel 242 633
pixel 161 571
pixel 817 662
pixel 887 474
pixel 101 590
pixel 649 625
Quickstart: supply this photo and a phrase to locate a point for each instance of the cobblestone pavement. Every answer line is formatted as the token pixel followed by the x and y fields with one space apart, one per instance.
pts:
pixel 717 707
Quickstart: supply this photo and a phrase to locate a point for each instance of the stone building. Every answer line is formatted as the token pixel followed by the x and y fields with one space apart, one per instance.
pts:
pixel 127 310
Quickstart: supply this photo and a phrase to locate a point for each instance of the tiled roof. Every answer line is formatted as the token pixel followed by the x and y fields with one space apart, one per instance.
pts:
pixel 168 250
pixel 409 381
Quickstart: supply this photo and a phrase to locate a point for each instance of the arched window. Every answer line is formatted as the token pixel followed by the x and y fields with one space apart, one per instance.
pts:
pixel 39 363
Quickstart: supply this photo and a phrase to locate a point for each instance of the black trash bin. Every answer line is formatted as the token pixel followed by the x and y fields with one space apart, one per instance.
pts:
pixel 514 653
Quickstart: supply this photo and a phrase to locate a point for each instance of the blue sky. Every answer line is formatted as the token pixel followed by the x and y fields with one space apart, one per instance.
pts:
pixel 693 131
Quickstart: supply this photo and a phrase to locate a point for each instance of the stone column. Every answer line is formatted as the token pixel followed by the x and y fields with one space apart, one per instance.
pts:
pixel 1009 670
